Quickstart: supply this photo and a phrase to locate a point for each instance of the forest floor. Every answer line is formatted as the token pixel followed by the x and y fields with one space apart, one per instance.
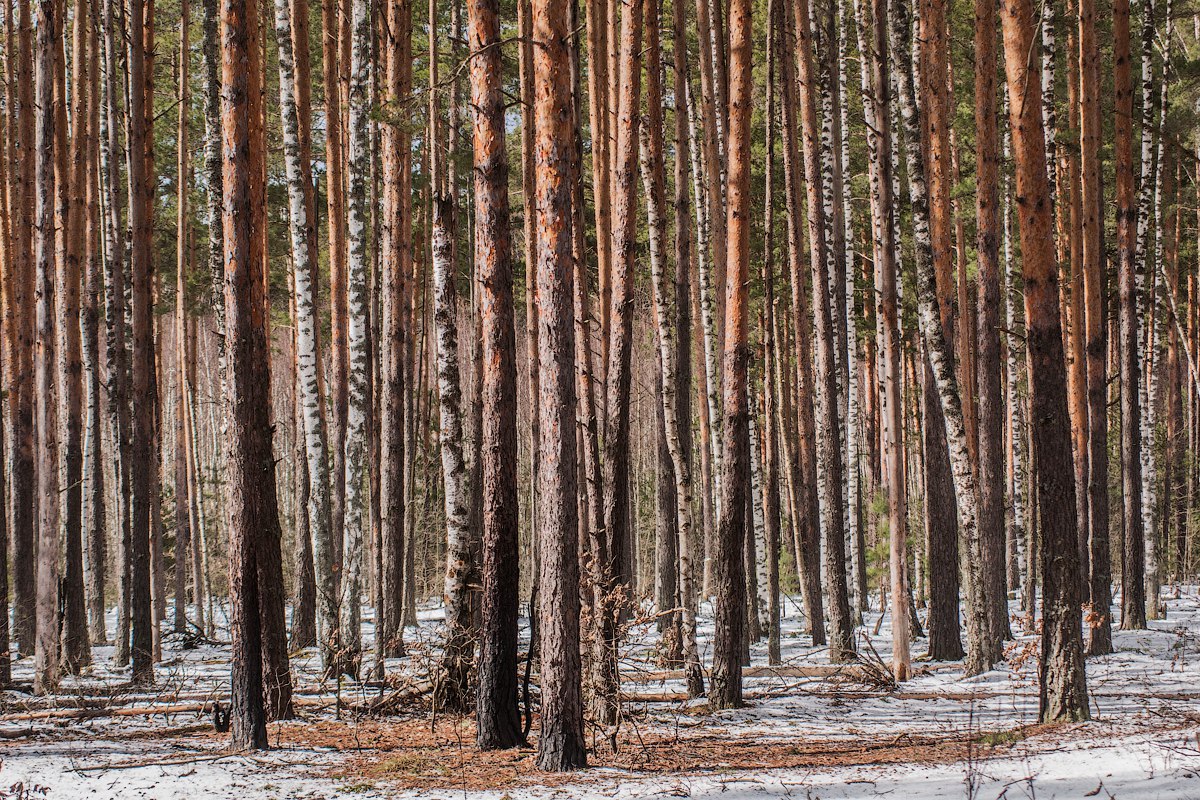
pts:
pixel 810 730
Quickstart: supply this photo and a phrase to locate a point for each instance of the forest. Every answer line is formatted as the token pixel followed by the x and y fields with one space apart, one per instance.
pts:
pixel 447 399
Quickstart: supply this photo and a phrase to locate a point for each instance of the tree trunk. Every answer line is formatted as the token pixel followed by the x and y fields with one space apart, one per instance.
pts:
pixel 461 573
pixel 143 397
pixel 302 238
pixel 183 531
pixel 987 246
pixel 70 185
pixel 983 647
pixel 1133 597
pixel 611 572
pixel 654 181
pixel 561 744
pixel 828 436
pixel 498 716
pixel 804 468
pixel 1063 690
pixel 1093 266
pixel 96 554
pixel 46 664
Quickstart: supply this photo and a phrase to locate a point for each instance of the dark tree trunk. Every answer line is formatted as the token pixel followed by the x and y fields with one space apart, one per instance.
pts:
pixel 498 717
pixel 561 744
pixel 1094 260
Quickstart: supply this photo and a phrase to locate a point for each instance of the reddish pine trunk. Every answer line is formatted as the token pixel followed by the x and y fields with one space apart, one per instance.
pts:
pixel 1063 683
pixel 498 716
pixel 561 744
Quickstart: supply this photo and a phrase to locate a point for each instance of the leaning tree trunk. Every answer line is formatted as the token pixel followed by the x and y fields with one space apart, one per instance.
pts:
pixel 1063 687
pixel 983 648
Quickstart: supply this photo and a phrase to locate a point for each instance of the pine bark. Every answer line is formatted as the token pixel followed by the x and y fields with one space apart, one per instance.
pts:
pixel 1063 686
pixel 22 405
pixel 71 166
pixel 1133 597
pixel 561 743
pixel 498 717
pixel 46 657
pixel 1093 266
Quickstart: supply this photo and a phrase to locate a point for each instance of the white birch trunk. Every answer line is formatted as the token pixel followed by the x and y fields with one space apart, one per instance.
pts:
pixel 708 323
pixel 350 634
pixel 981 649
pixel 307 357
pixel 762 552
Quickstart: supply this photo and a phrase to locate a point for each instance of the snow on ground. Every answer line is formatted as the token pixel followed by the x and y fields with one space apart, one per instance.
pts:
pixel 820 735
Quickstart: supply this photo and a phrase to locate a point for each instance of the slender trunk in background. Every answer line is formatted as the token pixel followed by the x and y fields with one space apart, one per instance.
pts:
pixel 183 531
pixel 1153 497
pixel 1146 293
pixel 73 164
pixel 395 337
pixel 828 436
pixel 1093 267
pixel 883 206
pixel 11 320
pixel 94 469
pixel 768 556
pixel 24 516
pixel 529 228
pixel 561 744
pixel 498 716
pixel 654 182
pixel 987 247
pixel 611 572
pixel 1133 596
pixel 335 207
pixel 807 542
pixel 1063 686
